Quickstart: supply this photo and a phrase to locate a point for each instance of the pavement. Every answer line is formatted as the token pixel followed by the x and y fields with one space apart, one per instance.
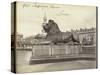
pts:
pixel 57 66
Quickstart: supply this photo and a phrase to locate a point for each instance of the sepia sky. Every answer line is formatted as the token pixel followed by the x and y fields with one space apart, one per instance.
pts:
pixel 30 17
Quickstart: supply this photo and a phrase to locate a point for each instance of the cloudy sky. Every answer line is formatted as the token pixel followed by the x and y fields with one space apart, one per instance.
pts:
pixel 30 17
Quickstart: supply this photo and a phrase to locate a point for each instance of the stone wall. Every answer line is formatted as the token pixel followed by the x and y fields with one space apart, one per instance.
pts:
pixel 61 49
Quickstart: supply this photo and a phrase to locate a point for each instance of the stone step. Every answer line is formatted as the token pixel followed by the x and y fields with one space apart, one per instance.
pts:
pixel 62 59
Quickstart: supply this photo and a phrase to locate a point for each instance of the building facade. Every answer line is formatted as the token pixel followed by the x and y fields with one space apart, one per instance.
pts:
pixel 87 36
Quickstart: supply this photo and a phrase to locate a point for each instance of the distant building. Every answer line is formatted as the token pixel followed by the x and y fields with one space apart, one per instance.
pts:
pixel 35 39
pixel 87 36
pixel 19 37
pixel 19 40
